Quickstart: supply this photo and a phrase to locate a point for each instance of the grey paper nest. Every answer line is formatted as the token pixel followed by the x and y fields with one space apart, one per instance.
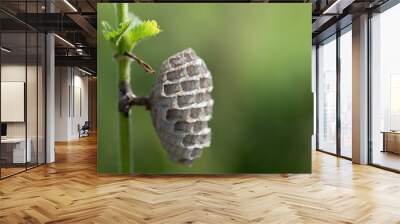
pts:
pixel 181 106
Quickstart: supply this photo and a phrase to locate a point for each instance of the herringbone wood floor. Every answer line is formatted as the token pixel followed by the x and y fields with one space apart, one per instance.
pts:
pixel 70 191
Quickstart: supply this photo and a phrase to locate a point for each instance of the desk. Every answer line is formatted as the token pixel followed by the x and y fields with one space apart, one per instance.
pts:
pixel 391 141
pixel 15 148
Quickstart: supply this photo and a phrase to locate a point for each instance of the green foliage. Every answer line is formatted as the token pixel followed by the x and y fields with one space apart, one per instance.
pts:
pixel 133 30
pixel 142 31
pixel 114 36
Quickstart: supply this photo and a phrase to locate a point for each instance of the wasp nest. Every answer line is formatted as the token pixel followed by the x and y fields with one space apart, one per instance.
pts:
pixel 181 106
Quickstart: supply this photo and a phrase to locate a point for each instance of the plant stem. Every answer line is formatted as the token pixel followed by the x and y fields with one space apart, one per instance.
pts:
pixel 125 146
pixel 124 72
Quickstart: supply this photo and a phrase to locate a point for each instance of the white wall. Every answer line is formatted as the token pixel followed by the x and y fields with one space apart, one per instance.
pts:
pixel 80 110
pixel 16 73
pixel 71 102
pixel 9 73
pixel 34 126
pixel 62 81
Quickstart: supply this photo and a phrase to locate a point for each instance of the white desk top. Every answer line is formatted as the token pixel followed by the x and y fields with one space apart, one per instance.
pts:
pixel 13 140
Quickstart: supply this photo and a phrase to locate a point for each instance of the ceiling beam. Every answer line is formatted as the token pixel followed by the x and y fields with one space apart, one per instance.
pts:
pixel 337 7
pixel 48 22
pixel 320 22
pixel 81 61
pixel 91 5
pixel 84 24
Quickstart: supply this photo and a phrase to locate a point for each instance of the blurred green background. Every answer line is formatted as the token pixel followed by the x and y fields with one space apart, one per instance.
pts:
pixel 260 59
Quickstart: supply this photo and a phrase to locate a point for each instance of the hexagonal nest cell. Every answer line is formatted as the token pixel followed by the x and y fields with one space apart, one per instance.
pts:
pixel 181 106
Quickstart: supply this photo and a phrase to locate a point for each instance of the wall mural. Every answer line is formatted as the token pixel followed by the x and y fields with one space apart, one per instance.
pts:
pixel 204 88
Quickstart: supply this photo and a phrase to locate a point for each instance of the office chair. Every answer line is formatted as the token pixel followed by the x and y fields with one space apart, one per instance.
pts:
pixel 84 130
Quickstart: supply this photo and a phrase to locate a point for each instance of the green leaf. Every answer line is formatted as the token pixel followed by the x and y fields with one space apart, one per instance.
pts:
pixel 144 30
pixel 114 36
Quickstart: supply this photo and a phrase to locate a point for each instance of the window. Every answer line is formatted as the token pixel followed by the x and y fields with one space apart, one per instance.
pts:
pixel 346 92
pixel 385 89
pixel 327 95
pixel 22 77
